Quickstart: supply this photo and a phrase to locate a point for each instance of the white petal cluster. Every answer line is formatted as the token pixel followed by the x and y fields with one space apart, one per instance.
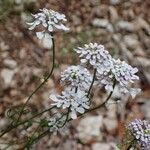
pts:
pixel 76 102
pixel 49 20
pixel 140 130
pixel 76 77
pixel 96 55
pixel 123 73
pixel 56 123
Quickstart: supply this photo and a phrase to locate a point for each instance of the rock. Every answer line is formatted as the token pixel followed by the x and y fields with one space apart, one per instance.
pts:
pixel 4 54
pixel 125 25
pixel 142 61
pixel 89 129
pixel 101 146
pixel 143 64
pixel 3 46
pixel 110 28
pixel 7 76
pixel 114 2
pixel 10 63
pixel 103 23
pixel 110 123
pixel 18 2
pixel 3 122
pixel 112 108
pixel 113 14
pixel 131 41
pixel 144 25
pixel 101 10
pixel 146 110
pixel 76 20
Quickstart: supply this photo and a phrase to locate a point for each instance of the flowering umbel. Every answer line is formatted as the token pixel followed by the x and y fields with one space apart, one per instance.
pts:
pixel 109 72
pixel 76 77
pixel 75 101
pixel 123 73
pixel 141 132
pixel 96 55
pixel 48 20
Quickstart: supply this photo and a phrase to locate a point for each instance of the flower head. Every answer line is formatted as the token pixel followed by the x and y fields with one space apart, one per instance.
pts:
pixel 123 73
pixel 49 20
pixel 76 102
pixel 56 123
pixel 141 131
pixel 96 55
pixel 76 77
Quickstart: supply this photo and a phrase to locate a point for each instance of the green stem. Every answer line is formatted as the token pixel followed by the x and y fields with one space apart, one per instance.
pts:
pixel 28 145
pixel 49 75
pixel 67 116
pixel 94 75
pixel 99 106
pixel 69 119
pixel 9 128
pixel 131 144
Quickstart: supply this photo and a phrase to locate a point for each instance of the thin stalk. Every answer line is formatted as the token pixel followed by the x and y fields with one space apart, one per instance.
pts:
pixel 45 80
pixel 131 144
pixel 67 116
pixel 28 145
pixel 69 119
pixel 9 128
pixel 99 106
pixel 94 75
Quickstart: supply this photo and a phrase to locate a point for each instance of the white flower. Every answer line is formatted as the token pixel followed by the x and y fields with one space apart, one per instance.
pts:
pixel 140 130
pixel 96 55
pixel 106 80
pixel 77 77
pixel 123 73
pixel 76 102
pixel 56 123
pixel 49 20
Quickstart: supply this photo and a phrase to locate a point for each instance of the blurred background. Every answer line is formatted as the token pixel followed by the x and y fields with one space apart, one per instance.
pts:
pixel 123 26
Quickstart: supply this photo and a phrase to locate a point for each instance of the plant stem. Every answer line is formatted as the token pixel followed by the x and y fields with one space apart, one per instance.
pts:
pixel 49 75
pixel 9 128
pixel 94 75
pixel 99 106
pixel 69 119
pixel 28 145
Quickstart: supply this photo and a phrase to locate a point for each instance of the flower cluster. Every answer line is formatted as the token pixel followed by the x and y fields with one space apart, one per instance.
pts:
pixel 108 68
pixel 74 101
pixel 96 55
pixel 57 123
pixel 123 73
pixel 76 77
pixel 48 20
pixel 141 132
